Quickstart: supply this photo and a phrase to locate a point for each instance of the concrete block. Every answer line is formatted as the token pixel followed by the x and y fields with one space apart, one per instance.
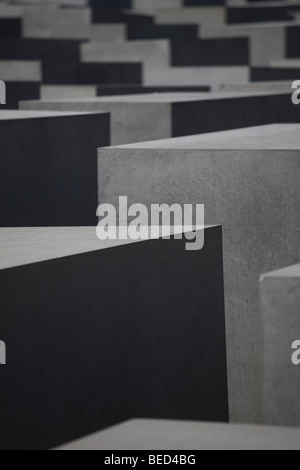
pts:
pixel 278 11
pixel 107 32
pixel 63 92
pixel 210 76
pixel 10 27
pixel 18 91
pixel 260 87
pixel 266 41
pixel 20 71
pixel 92 73
pixel 57 23
pixel 110 16
pixel 280 304
pixel 192 15
pixel 248 180
pixel 274 73
pixel 161 31
pixel 153 54
pixel 48 167
pixel 138 118
pixel 177 435
pixel 112 343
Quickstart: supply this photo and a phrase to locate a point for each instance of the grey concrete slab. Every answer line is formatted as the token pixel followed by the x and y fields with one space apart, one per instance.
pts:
pixel 157 435
pixel 154 53
pixel 71 23
pixel 254 87
pixel 111 343
pixel 249 181
pixel 21 71
pixel 267 41
pixel 211 76
pixel 191 15
pixel 48 167
pixel 136 118
pixel 280 304
pixel 107 32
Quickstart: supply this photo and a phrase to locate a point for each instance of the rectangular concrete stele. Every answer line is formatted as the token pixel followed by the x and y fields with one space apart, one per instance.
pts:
pixel 48 167
pixel 107 32
pixel 153 54
pixel 191 15
pixel 57 23
pixel 256 87
pixel 280 304
pixel 211 76
pixel 113 343
pixel 138 118
pixel 267 41
pixel 178 435
pixel 248 180
pixel 20 71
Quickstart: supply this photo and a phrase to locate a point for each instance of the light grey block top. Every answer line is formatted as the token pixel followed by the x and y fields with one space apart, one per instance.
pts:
pixel 180 435
pixel 271 137
pixel 177 97
pixel 7 115
pixel 23 246
pixel 292 272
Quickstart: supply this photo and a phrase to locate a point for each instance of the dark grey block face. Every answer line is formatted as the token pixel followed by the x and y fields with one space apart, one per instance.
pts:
pixel 98 338
pixel 19 91
pixel 149 31
pixel 210 52
pixel 48 170
pixel 109 90
pixel 223 114
pixel 292 42
pixel 107 15
pixel 10 28
pixel 265 74
pixel 260 14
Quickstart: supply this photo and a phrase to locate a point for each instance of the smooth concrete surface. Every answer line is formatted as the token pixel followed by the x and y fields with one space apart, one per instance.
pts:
pixel 136 118
pixel 280 305
pixel 141 434
pixel 210 76
pixel 20 71
pixel 89 345
pixel 249 181
pixel 48 167
pixel 154 53
pixel 57 23
pixel 191 15
pixel 267 41
pixel 254 87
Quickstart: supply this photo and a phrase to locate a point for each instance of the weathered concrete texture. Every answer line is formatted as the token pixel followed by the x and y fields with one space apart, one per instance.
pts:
pixel 107 32
pixel 48 167
pixel 249 181
pixel 280 303
pixel 104 357
pixel 138 118
pixel 178 435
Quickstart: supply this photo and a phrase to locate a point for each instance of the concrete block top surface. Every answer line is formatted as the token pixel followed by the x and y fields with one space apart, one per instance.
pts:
pixel 23 246
pixel 181 435
pixel 147 98
pixel 271 137
pixel 12 115
pixel 292 272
